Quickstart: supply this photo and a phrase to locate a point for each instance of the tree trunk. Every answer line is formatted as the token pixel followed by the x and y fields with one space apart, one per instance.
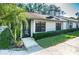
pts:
pixel 15 37
pixel 21 30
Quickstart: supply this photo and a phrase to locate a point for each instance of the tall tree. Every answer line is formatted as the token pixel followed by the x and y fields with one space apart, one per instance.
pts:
pixel 12 16
pixel 42 8
pixel 77 14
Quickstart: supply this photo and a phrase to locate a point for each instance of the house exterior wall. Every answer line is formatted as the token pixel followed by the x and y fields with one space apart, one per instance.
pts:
pixel 78 24
pixel 64 25
pixel 67 25
pixel 33 26
pixel 74 25
pixel 50 26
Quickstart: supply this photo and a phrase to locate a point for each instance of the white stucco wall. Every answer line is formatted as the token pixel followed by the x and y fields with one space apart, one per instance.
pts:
pixel 78 25
pixel 50 26
pixel 64 25
pixel 74 24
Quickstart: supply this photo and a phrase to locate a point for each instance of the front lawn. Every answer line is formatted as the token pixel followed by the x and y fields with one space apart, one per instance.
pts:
pixel 50 41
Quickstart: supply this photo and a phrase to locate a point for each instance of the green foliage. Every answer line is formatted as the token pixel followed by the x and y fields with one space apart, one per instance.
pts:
pixel 12 16
pixel 51 33
pixel 5 39
pixel 54 40
pixel 42 8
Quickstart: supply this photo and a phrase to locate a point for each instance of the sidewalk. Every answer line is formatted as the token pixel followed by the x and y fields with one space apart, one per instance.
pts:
pixel 70 47
pixel 31 45
pixel 11 52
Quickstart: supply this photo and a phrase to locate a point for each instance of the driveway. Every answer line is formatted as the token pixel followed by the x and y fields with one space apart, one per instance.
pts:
pixel 69 47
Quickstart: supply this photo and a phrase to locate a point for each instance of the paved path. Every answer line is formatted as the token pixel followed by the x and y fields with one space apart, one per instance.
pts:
pixel 11 52
pixel 31 45
pixel 69 47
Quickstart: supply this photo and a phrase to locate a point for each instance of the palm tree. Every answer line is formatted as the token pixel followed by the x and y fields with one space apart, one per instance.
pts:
pixel 29 7
pixel 44 9
pixel 12 16
pixel 35 7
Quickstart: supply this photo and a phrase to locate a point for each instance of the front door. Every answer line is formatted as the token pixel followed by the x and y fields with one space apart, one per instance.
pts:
pixel 58 26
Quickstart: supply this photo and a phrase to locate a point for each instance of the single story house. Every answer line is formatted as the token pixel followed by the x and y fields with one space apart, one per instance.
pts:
pixel 43 23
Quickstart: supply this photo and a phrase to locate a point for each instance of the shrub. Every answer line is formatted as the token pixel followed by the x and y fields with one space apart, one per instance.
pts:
pixel 5 39
pixel 51 33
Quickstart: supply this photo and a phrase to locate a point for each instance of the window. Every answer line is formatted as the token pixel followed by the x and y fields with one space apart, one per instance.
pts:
pixel 58 26
pixel 71 24
pixel 40 26
pixel 76 25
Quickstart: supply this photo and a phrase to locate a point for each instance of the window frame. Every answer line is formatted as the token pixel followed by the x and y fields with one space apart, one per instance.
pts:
pixel 58 24
pixel 40 26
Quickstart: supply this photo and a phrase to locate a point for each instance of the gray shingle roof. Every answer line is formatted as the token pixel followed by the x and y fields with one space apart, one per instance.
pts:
pixel 38 16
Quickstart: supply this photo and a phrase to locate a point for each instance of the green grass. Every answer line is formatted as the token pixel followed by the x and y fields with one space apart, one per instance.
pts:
pixel 50 41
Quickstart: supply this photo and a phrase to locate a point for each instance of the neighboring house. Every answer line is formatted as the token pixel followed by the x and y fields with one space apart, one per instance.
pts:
pixel 44 23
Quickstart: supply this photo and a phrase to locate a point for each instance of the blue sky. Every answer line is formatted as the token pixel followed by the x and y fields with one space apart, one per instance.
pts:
pixel 75 6
pixel 69 8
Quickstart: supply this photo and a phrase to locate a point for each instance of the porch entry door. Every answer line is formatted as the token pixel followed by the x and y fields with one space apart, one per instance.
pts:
pixel 26 29
pixel 58 26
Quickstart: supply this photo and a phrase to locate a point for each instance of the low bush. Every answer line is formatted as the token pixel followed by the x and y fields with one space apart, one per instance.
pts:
pixel 5 39
pixel 52 33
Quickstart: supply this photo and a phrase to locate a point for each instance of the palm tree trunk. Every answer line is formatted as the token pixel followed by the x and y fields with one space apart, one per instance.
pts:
pixel 11 30
pixel 15 34
pixel 21 30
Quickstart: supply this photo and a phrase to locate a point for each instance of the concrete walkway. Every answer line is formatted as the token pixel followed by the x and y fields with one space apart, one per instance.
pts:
pixel 31 45
pixel 11 52
pixel 70 47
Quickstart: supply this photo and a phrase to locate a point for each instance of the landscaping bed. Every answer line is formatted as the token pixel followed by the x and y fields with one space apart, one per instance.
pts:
pixel 6 41
pixel 53 40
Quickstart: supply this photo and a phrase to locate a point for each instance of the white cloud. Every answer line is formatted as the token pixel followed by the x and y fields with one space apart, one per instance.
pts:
pixel 70 11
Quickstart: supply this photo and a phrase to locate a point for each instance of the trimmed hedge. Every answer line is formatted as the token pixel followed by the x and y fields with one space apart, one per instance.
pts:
pixel 5 39
pixel 41 35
